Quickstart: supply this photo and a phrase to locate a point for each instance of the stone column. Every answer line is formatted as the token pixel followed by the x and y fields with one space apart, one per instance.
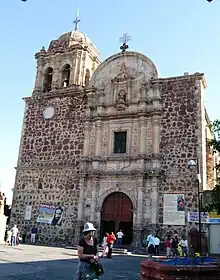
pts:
pixel 87 129
pixel 156 134
pixel 137 239
pixel 72 72
pixel 78 67
pixel 154 201
pixel 142 135
pixel 38 87
pixel 98 139
pixel 81 200
pixel 139 203
pixel 56 74
pixel 93 205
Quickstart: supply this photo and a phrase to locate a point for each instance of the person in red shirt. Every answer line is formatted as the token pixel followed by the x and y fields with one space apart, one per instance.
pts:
pixel 168 247
pixel 110 242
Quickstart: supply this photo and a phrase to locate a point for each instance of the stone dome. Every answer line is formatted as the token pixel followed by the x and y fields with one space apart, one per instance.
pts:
pixel 79 36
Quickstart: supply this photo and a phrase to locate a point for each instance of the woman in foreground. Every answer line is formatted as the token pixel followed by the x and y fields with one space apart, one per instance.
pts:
pixel 88 254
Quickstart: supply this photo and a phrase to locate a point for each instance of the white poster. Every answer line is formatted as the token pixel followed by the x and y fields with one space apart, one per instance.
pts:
pixel 28 212
pixel 194 217
pixel 174 209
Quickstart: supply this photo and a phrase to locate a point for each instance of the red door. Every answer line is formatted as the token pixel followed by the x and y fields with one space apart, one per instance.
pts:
pixel 117 213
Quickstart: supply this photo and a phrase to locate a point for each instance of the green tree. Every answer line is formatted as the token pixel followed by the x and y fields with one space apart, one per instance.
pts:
pixel 212 198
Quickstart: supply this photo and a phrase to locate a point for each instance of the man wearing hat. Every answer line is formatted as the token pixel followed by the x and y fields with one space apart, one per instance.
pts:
pixel 88 254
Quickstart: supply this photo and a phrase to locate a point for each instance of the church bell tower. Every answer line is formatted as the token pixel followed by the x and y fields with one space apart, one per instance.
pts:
pixel 69 61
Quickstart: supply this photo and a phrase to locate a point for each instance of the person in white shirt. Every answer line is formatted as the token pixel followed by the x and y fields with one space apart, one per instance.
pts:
pixel 120 236
pixel 151 245
pixel 14 235
pixel 184 246
pixel 157 245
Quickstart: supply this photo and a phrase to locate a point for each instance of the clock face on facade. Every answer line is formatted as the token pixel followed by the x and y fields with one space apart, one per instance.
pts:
pixel 48 112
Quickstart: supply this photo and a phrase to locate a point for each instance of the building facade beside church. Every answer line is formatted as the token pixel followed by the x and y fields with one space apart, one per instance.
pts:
pixel 106 142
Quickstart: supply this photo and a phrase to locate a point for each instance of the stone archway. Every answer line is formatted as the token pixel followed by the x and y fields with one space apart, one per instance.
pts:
pixel 116 214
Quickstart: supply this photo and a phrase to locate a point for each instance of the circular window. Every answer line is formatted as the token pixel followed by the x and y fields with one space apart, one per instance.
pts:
pixel 48 112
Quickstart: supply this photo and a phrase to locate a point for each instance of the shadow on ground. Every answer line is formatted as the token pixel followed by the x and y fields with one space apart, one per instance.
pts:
pixel 119 267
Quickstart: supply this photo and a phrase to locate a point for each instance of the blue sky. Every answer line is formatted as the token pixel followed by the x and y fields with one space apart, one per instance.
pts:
pixel 178 35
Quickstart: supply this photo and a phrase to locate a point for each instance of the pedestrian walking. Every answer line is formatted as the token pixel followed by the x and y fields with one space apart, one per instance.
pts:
pixel 8 236
pixel 14 235
pixel 184 246
pixel 104 245
pixel 168 247
pixel 110 242
pixel 174 245
pixel 88 267
pixel 151 245
pixel 34 232
pixel 120 236
pixel 157 245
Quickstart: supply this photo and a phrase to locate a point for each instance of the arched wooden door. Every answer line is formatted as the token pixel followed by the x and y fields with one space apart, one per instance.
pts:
pixel 116 214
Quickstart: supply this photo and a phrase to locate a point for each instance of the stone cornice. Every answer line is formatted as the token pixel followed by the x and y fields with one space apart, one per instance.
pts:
pixel 135 173
pixel 124 115
pixel 196 76
pixel 67 92
pixel 46 167
pixel 122 158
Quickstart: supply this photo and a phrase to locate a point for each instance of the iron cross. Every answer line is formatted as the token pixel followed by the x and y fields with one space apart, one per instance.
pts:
pixel 77 20
pixel 124 40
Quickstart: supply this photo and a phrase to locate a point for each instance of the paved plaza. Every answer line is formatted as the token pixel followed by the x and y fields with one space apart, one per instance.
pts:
pixel 27 262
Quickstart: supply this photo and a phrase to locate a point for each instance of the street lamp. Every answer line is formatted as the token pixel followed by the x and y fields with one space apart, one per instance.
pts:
pixel 194 164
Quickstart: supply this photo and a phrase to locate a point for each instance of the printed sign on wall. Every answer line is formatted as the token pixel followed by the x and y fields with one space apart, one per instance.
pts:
pixel 174 209
pixel 28 211
pixel 50 214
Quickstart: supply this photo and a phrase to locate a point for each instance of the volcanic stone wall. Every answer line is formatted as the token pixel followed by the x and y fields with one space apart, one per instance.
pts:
pixel 48 165
pixel 181 134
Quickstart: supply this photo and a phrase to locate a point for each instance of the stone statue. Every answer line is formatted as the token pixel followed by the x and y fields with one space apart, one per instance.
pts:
pixel 121 98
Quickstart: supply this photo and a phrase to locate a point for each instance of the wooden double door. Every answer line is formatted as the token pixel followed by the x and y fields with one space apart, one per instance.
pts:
pixel 117 214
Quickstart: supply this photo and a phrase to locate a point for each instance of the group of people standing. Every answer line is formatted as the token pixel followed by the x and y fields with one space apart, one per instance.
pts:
pixel 174 246
pixel 12 236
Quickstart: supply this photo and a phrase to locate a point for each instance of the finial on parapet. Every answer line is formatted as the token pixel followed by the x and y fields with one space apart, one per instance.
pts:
pixel 124 40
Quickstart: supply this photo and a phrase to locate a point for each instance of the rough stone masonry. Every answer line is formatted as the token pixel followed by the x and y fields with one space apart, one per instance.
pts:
pixel 67 153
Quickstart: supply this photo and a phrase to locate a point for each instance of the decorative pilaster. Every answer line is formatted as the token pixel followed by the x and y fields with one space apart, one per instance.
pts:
pixel 72 72
pixel 139 203
pixel 78 67
pixel 56 74
pixel 156 134
pixel 93 204
pixel 38 87
pixel 81 199
pixel 142 135
pixel 87 130
pixel 154 201
pixel 98 139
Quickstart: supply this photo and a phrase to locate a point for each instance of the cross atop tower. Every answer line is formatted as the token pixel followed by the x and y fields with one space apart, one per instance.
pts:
pixel 124 40
pixel 77 20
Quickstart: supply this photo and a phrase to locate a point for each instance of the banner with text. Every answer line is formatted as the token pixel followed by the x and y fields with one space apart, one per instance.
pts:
pixel 50 214
pixel 193 217
pixel 174 209
pixel 206 218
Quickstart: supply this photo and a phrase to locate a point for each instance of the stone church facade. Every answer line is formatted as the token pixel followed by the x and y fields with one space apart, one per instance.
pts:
pixel 106 141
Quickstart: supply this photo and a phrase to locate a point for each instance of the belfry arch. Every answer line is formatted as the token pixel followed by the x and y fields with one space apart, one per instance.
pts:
pixel 116 214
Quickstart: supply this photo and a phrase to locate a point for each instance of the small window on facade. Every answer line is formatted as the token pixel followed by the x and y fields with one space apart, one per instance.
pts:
pixel 48 77
pixel 66 75
pixel 120 139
